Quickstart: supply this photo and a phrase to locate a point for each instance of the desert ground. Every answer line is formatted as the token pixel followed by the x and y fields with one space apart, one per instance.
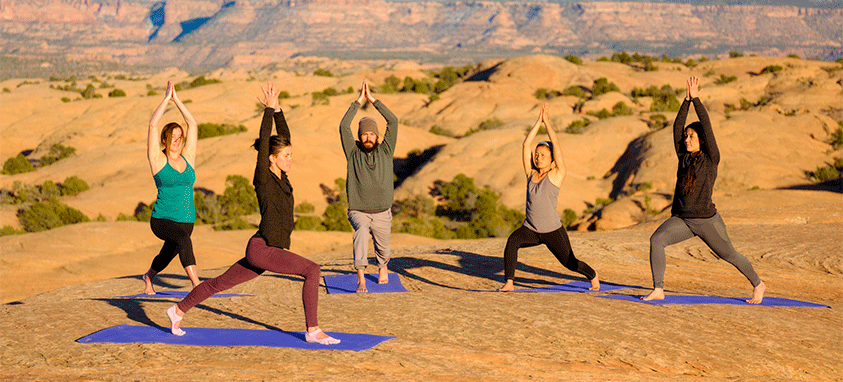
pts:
pixel 59 285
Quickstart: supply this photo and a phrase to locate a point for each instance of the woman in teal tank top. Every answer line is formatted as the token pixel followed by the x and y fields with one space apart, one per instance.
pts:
pixel 172 153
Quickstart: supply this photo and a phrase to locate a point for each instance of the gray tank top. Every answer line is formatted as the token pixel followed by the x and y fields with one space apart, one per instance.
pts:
pixel 541 206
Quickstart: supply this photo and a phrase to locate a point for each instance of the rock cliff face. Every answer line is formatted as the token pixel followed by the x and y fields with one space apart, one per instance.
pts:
pixel 220 32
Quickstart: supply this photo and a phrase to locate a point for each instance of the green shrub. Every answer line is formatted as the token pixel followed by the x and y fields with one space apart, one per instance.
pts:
pixel 304 208
pixel 117 93
pixel 621 109
pixel 432 227
pixel 6 90
pixel 827 172
pixel 650 67
pixel 89 92
pixel 50 190
pixel 65 99
pixel 734 54
pixel 234 224
pixel 201 81
pixel 335 218
pixel 708 73
pixel 435 129
pixel 57 153
pixel 657 121
pixel 568 217
pixel 208 130
pixel 323 73
pixel 50 214
pixel 209 210
pixel 724 79
pixel 573 59
pixel 542 93
pixel 309 223
pixel 578 126
pixel 73 185
pixel 320 98
pixel 416 206
pixel 602 86
pixel 691 63
pixel 793 55
pixel 576 91
pixel 390 85
pixel 100 218
pixel 151 93
pixel 283 94
pixel 601 114
pixel 239 197
pixel 836 136
pixel 9 230
pixel 489 124
pixel 17 165
pixel 771 69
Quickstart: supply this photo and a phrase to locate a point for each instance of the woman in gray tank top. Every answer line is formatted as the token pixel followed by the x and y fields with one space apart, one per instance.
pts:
pixel 545 170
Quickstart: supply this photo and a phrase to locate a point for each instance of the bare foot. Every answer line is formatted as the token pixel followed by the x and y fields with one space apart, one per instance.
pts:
pixel 508 287
pixel 383 276
pixel 314 334
pixel 758 294
pixel 361 282
pixel 175 320
pixel 595 282
pixel 656 294
pixel 148 281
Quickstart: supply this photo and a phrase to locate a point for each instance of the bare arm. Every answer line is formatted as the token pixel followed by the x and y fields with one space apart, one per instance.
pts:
pixel 157 159
pixel 560 171
pixel 527 146
pixel 192 132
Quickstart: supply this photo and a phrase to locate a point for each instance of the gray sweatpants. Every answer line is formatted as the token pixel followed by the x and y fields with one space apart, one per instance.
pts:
pixel 711 230
pixel 379 225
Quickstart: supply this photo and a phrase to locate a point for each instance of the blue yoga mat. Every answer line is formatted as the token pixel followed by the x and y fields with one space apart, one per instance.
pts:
pixel 178 294
pixel 122 334
pixel 571 287
pixel 345 284
pixel 697 300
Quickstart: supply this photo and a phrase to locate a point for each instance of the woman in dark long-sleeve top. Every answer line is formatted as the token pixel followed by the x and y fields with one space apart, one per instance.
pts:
pixel 693 212
pixel 268 248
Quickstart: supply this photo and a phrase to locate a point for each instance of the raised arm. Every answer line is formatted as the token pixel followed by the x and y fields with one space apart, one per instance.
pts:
pixel 192 132
pixel 390 136
pixel 558 176
pixel 527 146
pixel 346 137
pixel 270 101
pixel 679 125
pixel 157 159
pixel 707 141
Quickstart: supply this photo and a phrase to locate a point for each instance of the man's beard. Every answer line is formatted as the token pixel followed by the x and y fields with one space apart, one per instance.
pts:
pixel 367 149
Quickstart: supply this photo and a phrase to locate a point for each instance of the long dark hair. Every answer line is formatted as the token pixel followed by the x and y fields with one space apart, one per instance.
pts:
pixel 691 177
pixel 276 144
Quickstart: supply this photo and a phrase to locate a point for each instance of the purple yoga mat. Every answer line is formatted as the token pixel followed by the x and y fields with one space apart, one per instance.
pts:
pixel 122 334
pixel 571 287
pixel 178 294
pixel 698 300
pixel 347 284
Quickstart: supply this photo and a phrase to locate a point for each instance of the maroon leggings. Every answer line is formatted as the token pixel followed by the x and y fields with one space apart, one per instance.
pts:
pixel 260 257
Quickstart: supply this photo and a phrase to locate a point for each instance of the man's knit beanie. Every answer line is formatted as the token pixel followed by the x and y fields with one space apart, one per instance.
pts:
pixel 367 125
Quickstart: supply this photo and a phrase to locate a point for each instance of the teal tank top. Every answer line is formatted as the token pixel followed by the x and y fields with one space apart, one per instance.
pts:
pixel 175 194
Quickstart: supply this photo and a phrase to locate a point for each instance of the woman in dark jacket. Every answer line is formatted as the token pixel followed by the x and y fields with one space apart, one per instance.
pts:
pixel 268 248
pixel 693 212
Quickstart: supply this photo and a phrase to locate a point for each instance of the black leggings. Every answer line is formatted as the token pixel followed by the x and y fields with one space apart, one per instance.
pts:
pixel 556 241
pixel 176 238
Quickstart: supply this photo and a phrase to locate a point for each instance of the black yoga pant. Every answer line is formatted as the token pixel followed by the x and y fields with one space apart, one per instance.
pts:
pixel 556 241
pixel 711 230
pixel 176 238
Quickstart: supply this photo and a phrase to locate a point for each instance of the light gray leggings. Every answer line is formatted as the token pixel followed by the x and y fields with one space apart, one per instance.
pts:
pixel 711 230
